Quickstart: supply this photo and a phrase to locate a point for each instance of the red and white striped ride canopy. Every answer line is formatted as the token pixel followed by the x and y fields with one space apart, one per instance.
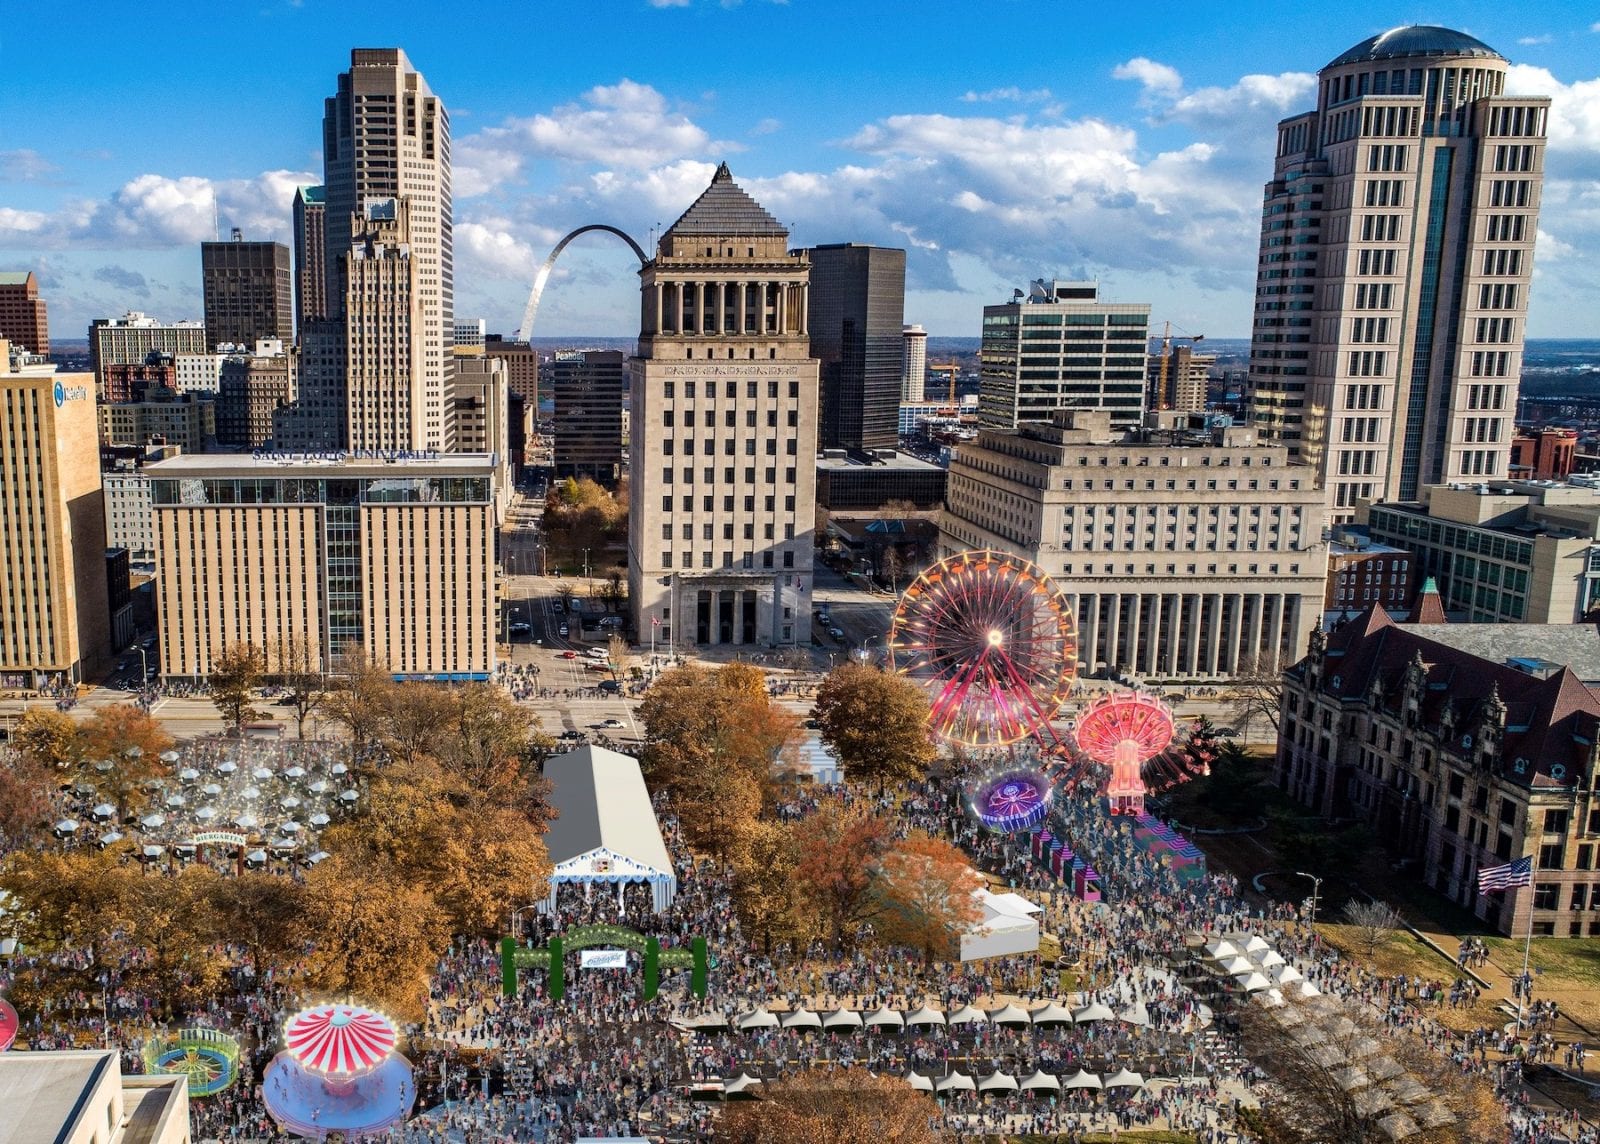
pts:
pixel 339 1038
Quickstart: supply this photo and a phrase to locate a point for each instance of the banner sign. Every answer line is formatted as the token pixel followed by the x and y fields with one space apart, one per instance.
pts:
pixel 603 959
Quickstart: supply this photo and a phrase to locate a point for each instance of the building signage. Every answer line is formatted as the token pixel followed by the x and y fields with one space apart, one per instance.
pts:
pixel 602 959
pixel 64 395
pixel 335 455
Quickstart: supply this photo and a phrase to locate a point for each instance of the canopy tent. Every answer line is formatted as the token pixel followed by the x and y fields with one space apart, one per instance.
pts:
pixel 1267 958
pixel 1082 1079
pixel 919 1082
pixel 741 1086
pixel 605 830
pixel 1012 1014
pixel 955 1082
pixel 802 1019
pixel 999 1082
pixel 1252 982
pixel 1284 974
pixel 967 1015
pixel 925 1016
pixel 1006 925
pixel 757 1019
pixel 1135 1014
pixel 842 1019
pixel 1236 965
pixel 1054 1013
pixel 1249 942
pixel 1221 948
pixel 1040 1082
pixel 1124 1078
pixel 1094 1011
pixel 886 1016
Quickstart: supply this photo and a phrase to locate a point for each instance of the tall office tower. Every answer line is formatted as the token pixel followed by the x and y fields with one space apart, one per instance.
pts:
pixel 310 257
pixel 254 387
pixel 56 627
pixel 386 393
pixel 130 339
pixel 22 316
pixel 386 136
pixel 315 421
pixel 587 388
pixel 480 418
pixel 914 364
pixel 723 431
pixel 522 365
pixel 1396 255
pixel 1060 347
pixel 858 303
pixel 247 291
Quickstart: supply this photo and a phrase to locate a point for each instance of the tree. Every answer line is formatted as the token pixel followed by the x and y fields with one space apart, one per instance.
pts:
pixel 924 888
pixel 134 742
pixel 49 738
pixel 173 927
pixel 841 1106
pixel 1372 924
pixel 25 788
pixel 891 566
pixel 297 665
pixel 617 651
pixel 371 935
pixel 696 717
pixel 1255 692
pixel 876 723
pixel 614 592
pixel 264 913
pixel 360 703
pixel 839 849
pixel 418 722
pixel 487 749
pixel 1233 787
pixel 234 679
pixel 765 857
pixel 714 803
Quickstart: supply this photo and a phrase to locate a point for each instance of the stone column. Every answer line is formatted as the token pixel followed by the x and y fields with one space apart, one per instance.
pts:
pixel 805 311
pixel 782 307
pixel 722 306
pixel 1253 642
pixel 1088 630
pixel 744 300
pixel 1158 635
pixel 1114 625
pixel 1214 635
pixel 658 291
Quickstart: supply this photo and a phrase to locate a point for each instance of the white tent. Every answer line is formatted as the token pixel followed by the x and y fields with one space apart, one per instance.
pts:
pixel 756 1019
pixel 1094 1011
pixel 710 1021
pixel 967 1015
pixel 1219 948
pixel 1267 958
pixel 1135 1014
pixel 1284 974
pixel 605 831
pixel 925 1016
pixel 1236 964
pixel 802 1019
pixel 1082 1079
pixel 1250 942
pixel 743 1086
pixel 842 1019
pixel 1012 1014
pixel 1054 1013
pixel 919 1082
pixel 955 1082
pixel 1006 925
pixel 1252 982
pixel 1124 1078
pixel 885 1016
pixel 999 1082
pixel 1041 1082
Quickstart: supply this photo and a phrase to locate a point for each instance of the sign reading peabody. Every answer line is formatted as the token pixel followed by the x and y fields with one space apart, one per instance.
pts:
pixel 64 395
pixel 603 959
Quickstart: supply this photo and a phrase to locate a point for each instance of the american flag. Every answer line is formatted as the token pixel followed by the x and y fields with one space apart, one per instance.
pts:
pixel 1496 878
pixel 655 621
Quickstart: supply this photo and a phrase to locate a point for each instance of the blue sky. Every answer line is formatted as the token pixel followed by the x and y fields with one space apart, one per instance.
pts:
pixel 996 141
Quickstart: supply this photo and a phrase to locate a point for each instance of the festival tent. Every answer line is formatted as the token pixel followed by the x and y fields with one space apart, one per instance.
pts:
pixel 1054 1013
pixel 757 1019
pixel 742 1086
pixel 967 1015
pixel 842 1019
pixel 1252 982
pixel 1124 1078
pixel 1012 1014
pixel 1094 1011
pixel 999 1082
pixel 1250 943
pixel 1267 958
pixel 919 1082
pixel 802 1019
pixel 1135 1014
pixel 605 830
pixel 1081 1079
pixel 1221 948
pixel 886 1016
pixel 1236 965
pixel 1284 974
pixel 925 1016
pixel 1041 1082
pixel 955 1082
pixel 1006 925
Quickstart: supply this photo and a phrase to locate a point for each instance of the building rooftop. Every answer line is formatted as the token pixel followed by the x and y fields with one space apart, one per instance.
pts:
pixel 833 461
pixel 15 277
pixel 220 466
pixel 54 1096
pixel 726 208
pixel 313 194
pixel 602 803
pixel 1416 40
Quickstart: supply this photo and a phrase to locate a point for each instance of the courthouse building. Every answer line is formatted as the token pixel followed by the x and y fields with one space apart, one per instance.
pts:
pixel 396 555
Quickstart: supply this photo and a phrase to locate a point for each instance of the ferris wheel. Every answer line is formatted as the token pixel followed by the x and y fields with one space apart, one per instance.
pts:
pixel 992 640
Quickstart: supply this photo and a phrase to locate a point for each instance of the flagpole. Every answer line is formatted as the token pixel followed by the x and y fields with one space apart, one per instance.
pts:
pixel 1525 982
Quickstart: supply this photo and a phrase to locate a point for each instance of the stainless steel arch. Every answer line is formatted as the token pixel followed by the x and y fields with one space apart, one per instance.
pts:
pixel 526 329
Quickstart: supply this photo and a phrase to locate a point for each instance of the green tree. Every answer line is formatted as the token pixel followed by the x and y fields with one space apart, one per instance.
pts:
pixel 877 724
pixel 234 679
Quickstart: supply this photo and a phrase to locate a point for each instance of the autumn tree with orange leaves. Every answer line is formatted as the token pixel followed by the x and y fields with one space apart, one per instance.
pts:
pixel 839 850
pixel 923 899
pixel 840 1106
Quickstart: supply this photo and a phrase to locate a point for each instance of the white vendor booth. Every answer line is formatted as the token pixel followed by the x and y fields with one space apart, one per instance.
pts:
pixel 1009 925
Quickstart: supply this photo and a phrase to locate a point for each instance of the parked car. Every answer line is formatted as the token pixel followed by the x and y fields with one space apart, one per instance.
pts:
pixel 569 654
pixel 596 653
pixel 612 724
pixel 836 633
pixel 562 630
pixel 521 628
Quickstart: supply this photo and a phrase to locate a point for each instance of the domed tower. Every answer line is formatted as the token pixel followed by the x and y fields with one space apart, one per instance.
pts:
pixel 1396 254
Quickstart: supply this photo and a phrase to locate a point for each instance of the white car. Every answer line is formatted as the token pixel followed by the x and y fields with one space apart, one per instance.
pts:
pixel 597 653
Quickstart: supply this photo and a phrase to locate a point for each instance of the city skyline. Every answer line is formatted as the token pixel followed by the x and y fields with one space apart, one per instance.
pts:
pixel 1097 145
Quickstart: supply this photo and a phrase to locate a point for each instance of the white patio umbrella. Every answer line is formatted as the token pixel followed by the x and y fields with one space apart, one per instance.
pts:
pixel 1054 1013
pixel 104 766
pixel 999 1082
pixel 919 1082
pixel 110 839
pixel 177 800
pixel 887 1017
pixel 1094 1011
pixel 282 844
pixel 250 793
pixel 955 1082
pixel 1082 1079
pixel 1041 1082
pixel 151 853
pixel 261 774
pixel 319 820
pixel 105 811
pixel 212 789
pixel 188 774
pixel 205 814
pixel 288 802
pixel 1011 1014
pixel 256 858
pixel 801 1019
pixel 1123 1078
pixel 295 773
pixel 348 796
pixel 67 826
pixel 321 786
pixel 322 855
pixel 290 827
pixel 1252 982
pixel 227 768
pixel 153 821
pixel 756 1019
pixel 169 756
pixel 925 1016
pixel 339 769
pixel 842 1019
pixel 246 821
pixel 967 1015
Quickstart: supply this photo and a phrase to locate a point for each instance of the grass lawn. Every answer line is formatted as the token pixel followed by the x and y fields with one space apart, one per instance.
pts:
pixel 1405 954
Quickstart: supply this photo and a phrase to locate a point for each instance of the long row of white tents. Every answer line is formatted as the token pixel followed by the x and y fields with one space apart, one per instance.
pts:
pixel 1038 1082
pixel 1053 1013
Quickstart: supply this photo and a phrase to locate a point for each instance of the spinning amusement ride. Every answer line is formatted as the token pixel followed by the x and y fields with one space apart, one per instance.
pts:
pixel 993 641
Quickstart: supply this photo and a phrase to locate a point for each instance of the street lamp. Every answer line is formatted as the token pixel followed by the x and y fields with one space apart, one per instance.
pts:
pixel 517 913
pixel 1316 895
pixel 588 575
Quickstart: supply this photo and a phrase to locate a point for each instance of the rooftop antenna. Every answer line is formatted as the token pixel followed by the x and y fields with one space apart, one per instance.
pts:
pixel 216 233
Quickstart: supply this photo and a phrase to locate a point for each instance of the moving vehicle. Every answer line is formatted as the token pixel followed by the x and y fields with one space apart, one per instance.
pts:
pixel 596 653
pixel 521 628
pixel 569 654
pixel 612 724
pixel 562 630
pixel 836 633
pixel 610 687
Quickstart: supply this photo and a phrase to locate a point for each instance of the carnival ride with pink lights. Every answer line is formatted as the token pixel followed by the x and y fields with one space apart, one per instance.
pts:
pixel 339 1074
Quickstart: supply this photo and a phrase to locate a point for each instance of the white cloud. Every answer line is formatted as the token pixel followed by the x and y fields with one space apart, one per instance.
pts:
pixel 1549 248
pixel 489 246
pixel 1008 95
pixel 25 166
pixel 669 3
pixel 1574 107
pixel 1154 77
pixel 1534 41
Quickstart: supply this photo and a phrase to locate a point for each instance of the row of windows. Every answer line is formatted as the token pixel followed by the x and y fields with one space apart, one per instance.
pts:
pixel 669 389
pixel 707 557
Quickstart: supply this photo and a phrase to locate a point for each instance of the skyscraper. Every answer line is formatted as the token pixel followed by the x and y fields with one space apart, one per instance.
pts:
pixel 386 136
pixel 310 257
pixel 914 363
pixel 723 431
pixel 1061 347
pixel 1396 254
pixel 858 301
pixel 132 338
pixel 386 390
pixel 22 312
pixel 587 387
pixel 247 291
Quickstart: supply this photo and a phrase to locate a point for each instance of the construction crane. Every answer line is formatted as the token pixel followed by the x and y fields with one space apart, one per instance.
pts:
pixel 954 371
pixel 1163 395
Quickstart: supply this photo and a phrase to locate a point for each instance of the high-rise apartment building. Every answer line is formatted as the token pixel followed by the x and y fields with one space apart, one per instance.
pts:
pixel 522 365
pixel 396 556
pixel 480 417
pixel 247 290
pixel 469 334
pixel 22 312
pixel 161 416
pixel 310 257
pixel 387 390
pixel 914 364
pixel 254 387
pixel 1178 379
pixel 857 312
pixel 130 339
pixel 54 622
pixel 1396 255
pixel 723 431
pixel 385 136
pixel 587 387
pixel 1060 347
pixel 1186 553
